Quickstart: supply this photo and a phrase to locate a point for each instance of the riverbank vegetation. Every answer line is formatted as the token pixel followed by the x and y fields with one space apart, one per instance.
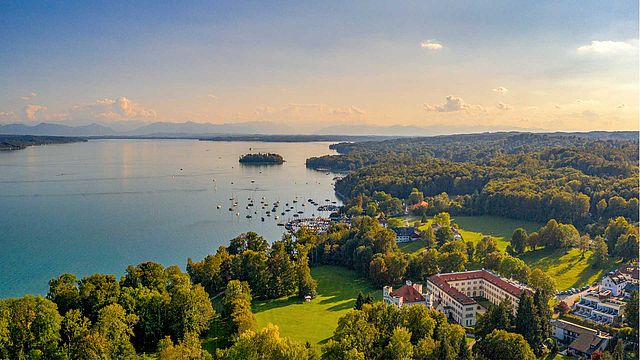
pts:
pixel 18 142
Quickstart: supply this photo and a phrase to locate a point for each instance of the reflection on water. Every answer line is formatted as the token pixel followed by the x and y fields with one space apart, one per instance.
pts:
pixel 102 205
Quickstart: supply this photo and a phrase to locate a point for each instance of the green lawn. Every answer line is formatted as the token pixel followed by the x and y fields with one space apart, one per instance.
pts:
pixel 315 321
pixel 474 228
pixel 566 267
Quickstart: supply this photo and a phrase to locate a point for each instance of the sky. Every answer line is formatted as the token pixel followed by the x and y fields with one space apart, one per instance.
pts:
pixel 548 65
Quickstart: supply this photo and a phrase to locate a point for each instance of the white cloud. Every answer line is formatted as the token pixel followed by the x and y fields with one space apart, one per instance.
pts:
pixel 431 45
pixel 504 107
pixel 211 96
pixel 120 108
pixel 621 106
pixel 7 115
pixel 34 112
pixel 29 97
pixel 501 90
pixel 452 104
pixel 609 47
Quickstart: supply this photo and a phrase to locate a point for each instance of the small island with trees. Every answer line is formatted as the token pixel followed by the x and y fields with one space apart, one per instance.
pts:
pixel 262 159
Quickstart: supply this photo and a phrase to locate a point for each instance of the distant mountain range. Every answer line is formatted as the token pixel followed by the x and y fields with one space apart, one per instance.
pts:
pixel 207 130
pixel 166 129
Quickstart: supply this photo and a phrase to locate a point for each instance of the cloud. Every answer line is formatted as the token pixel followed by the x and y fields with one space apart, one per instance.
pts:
pixel 608 47
pixel 452 104
pixel 431 45
pixel 504 107
pixel 621 106
pixel 501 90
pixel 34 112
pixel 120 108
pixel 7 115
pixel 29 97
pixel 211 96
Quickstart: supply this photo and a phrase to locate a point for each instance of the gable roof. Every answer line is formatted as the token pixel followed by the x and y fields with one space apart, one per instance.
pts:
pixel 631 270
pixel 408 294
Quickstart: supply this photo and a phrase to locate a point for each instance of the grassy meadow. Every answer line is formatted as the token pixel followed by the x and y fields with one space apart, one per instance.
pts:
pixel 315 321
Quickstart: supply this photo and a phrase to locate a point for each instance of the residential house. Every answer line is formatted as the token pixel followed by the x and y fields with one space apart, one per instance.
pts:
pixel 580 340
pixel 408 294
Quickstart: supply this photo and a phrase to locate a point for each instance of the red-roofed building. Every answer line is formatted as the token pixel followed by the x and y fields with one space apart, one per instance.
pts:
pixel 453 293
pixel 407 294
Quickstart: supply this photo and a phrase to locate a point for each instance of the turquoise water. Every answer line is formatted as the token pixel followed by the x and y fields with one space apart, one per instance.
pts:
pixel 102 205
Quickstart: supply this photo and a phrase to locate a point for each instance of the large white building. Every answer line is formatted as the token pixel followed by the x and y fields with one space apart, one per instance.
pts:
pixel 453 293
pixel 625 277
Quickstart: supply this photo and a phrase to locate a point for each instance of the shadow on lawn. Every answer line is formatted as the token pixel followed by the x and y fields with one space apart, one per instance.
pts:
pixel 336 285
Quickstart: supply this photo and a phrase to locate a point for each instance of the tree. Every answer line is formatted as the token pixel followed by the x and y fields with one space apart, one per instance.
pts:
pixel 526 320
pixel 616 228
pixel 533 241
pixel 443 219
pixel 148 274
pixel 497 317
pixel 471 250
pixel 307 286
pixel 428 236
pixel 463 352
pixel 189 310
pixel 415 197
pixel 63 291
pixel 399 347
pixel 632 312
pixel 600 252
pixel 538 279
pixel 519 240
pixel 96 292
pixel 627 246
pixel 562 308
pixel 583 244
pixel 29 326
pixel 372 209
pixel 444 234
pixel 264 344
pixel 452 261
pixel 485 246
pixel 503 345
pixel 189 348
pixel 116 327
pixel 361 300
pixel 236 305
pixel 543 314
pixel 618 350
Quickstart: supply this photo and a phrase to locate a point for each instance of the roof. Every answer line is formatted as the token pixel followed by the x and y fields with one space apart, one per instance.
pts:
pixel 408 294
pixel 619 279
pixel 420 204
pixel 586 343
pixel 631 287
pixel 453 292
pixel 631 270
pixel 404 231
pixel 578 329
pixel 482 274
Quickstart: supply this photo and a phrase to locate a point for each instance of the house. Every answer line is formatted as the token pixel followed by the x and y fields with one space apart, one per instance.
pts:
pixel 615 283
pixel 408 294
pixel 580 340
pixel 599 307
pixel 453 293
pixel 454 230
pixel 405 234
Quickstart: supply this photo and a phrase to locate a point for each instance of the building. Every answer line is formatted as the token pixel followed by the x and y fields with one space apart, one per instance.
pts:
pixel 580 340
pixel 405 234
pixel 599 307
pixel 453 293
pixel 623 278
pixel 408 294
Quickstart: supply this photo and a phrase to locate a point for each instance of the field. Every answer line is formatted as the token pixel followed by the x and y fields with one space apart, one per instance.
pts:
pixel 566 267
pixel 315 321
pixel 474 228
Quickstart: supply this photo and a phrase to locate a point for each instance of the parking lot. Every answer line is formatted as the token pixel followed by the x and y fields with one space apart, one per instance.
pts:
pixel 570 296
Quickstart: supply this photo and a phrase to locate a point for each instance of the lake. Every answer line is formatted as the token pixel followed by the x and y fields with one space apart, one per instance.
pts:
pixel 99 206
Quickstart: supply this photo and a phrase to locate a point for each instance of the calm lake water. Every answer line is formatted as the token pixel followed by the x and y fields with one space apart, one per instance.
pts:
pixel 102 205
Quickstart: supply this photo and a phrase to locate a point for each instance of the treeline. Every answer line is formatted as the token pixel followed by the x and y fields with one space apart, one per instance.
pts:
pixel 151 309
pixel 524 176
pixel 271 271
pixel 17 142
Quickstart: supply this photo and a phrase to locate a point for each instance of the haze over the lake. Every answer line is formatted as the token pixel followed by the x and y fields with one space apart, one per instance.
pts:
pixel 543 65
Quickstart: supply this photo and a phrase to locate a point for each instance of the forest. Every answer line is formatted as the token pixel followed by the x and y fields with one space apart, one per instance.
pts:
pixel 18 142
pixel 536 177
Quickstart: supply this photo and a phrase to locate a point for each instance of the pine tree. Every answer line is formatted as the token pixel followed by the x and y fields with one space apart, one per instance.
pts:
pixel 526 321
pixel 359 301
pixel 464 353
pixel 541 302
pixel 618 351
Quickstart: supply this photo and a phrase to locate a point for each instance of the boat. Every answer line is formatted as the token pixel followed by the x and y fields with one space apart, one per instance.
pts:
pixel 263 218
pixel 237 214
pixel 218 206
pixel 248 216
pixel 230 209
